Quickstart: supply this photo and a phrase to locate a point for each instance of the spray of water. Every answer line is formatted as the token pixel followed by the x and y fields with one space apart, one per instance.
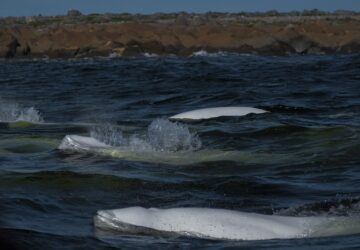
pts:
pixel 161 136
pixel 164 135
pixel 13 112
pixel 108 134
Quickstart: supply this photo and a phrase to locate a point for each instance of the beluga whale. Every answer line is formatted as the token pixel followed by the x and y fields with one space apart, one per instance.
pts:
pixel 222 224
pixel 209 113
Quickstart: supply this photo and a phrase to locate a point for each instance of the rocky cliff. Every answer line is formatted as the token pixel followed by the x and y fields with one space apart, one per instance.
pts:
pixel 128 39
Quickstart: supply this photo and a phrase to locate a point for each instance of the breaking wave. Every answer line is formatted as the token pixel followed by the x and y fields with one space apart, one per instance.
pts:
pixel 162 135
pixel 13 112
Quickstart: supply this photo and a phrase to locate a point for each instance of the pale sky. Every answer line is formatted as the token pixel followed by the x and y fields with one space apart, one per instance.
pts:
pixel 58 7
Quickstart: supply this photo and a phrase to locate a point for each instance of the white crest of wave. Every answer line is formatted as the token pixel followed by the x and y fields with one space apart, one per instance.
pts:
pixel 13 112
pixel 114 55
pixel 223 224
pixel 162 136
pixel 146 54
pixel 204 53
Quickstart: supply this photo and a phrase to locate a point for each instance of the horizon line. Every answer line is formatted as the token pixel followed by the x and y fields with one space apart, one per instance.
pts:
pixel 187 12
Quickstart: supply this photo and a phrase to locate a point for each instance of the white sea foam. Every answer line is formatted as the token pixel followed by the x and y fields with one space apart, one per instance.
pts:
pixel 146 54
pixel 223 224
pixel 204 53
pixel 114 55
pixel 13 112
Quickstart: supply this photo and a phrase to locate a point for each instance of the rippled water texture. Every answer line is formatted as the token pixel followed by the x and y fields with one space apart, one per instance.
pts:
pixel 300 159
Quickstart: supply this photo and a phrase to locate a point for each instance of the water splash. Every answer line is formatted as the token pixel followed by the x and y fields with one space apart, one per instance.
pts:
pixel 172 136
pixel 220 53
pixel 13 112
pixel 162 135
pixel 108 134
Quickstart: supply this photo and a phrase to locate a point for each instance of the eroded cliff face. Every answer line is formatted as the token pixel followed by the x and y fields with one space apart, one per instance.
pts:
pixel 128 39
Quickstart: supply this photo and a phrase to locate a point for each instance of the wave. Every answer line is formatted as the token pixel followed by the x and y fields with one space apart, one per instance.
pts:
pixel 27 145
pixel 67 179
pixel 204 53
pixel 13 112
pixel 223 224
pixel 22 238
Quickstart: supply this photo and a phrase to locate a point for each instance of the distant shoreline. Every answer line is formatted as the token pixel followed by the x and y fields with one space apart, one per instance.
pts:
pixel 182 34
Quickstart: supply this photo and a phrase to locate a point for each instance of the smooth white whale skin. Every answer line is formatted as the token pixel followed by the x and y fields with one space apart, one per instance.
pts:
pixel 77 142
pixel 221 223
pixel 209 113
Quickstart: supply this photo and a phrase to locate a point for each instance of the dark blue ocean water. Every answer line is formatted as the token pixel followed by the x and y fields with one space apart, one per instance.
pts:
pixel 300 159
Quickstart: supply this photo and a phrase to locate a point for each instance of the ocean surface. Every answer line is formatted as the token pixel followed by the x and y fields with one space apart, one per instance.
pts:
pixel 300 159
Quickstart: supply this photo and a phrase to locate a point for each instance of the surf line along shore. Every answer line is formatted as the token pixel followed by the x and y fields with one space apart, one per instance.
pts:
pixel 179 34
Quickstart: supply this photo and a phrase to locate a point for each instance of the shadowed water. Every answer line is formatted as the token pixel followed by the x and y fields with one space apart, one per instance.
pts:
pixel 300 159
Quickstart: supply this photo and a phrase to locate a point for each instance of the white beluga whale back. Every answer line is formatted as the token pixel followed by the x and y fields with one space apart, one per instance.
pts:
pixel 208 113
pixel 82 143
pixel 222 224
